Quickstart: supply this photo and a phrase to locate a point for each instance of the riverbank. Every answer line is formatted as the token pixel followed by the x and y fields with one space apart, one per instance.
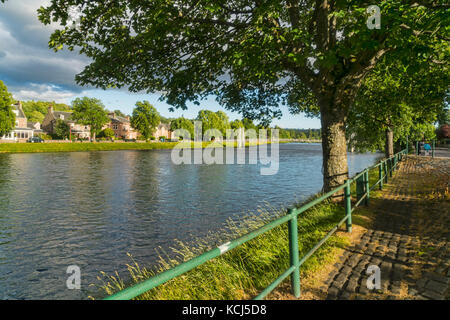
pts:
pixel 246 270
pixel 99 146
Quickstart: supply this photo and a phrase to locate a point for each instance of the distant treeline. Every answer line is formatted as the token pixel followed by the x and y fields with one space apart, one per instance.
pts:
pixel 310 134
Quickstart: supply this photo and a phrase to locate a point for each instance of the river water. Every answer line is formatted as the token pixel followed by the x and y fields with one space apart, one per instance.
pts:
pixel 90 208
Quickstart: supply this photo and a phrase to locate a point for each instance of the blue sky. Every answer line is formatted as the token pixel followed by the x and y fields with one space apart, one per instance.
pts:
pixel 33 72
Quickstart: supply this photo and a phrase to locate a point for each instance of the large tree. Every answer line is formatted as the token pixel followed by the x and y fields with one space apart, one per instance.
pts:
pixel 7 116
pixel 213 120
pixel 252 54
pixel 183 123
pixel 91 112
pixel 145 118
pixel 61 129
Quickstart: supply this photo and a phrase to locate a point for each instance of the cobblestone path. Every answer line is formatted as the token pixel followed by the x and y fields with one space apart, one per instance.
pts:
pixel 408 239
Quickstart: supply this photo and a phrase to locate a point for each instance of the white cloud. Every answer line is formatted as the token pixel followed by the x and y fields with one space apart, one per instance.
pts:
pixel 44 92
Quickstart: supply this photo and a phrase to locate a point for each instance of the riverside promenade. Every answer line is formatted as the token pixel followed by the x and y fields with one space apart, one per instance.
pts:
pixel 404 230
pixel 408 238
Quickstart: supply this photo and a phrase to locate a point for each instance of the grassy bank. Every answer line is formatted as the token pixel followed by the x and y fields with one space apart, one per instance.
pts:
pixel 90 146
pixel 244 271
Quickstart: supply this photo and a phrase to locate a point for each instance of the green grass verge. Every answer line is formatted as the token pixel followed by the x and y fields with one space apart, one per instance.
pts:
pixel 89 146
pixel 244 271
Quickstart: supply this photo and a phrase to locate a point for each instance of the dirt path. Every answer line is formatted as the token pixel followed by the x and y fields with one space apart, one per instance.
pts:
pixel 408 239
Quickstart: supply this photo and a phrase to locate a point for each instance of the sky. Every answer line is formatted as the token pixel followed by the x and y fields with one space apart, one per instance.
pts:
pixel 32 71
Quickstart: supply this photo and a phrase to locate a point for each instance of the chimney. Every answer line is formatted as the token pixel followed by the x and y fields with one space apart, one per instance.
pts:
pixel 112 115
pixel 50 109
pixel 128 118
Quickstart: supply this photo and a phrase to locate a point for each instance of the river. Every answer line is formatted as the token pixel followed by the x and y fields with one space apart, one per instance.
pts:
pixel 90 208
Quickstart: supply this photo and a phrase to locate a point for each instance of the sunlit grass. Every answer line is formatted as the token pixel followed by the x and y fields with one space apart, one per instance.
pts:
pixel 102 146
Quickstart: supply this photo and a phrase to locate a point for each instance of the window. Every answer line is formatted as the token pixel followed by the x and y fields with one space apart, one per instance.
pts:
pixel 115 126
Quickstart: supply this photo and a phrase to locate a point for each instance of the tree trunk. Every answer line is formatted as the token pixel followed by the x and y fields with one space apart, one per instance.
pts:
pixel 389 147
pixel 334 145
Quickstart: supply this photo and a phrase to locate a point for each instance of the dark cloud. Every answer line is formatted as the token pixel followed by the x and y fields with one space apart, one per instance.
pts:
pixel 26 62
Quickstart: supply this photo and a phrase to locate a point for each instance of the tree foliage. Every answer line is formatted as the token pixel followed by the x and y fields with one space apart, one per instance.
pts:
pixel 7 116
pixel 61 129
pixel 145 119
pixel 397 100
pixel 443 132
pixel 106 133
pixel 36 110
pixel 182 123
pixel 213 120
pixel 90 111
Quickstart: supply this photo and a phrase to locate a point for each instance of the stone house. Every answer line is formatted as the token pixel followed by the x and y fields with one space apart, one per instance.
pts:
pixel 79 130
pixel 163 130
pixel 21 131
pixel 121 127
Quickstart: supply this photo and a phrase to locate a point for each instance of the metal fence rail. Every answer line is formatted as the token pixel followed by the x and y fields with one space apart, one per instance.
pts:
pixel 363 188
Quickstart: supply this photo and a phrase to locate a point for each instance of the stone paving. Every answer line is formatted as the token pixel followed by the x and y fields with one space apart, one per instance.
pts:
pixel 408 240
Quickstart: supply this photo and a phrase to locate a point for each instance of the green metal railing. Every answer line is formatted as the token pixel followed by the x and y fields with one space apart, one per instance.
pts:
pixel 363 188
pixel 433 147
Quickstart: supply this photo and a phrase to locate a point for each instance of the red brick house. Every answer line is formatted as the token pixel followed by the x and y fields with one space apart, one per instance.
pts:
pixel 121 127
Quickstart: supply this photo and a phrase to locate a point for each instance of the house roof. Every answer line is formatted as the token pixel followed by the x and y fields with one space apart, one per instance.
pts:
pixel 119 119
pixel 67 115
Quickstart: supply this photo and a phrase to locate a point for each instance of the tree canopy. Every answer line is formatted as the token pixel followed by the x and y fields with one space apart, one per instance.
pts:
pixel 7 116
pixel 183 123
pixel 396 100
pixel 213 120
pixel 145 118
pixel 90 111
pixel 61 129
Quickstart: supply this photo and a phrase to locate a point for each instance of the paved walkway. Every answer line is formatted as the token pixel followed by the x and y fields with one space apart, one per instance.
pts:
pixel 408 241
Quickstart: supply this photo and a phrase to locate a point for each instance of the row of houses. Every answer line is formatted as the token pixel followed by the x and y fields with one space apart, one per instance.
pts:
pixel 121 126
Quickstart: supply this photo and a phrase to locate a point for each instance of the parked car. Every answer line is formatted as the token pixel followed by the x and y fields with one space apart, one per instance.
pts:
pixel 35 140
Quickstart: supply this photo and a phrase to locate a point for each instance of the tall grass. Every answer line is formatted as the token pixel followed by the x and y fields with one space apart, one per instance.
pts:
pixel 244 271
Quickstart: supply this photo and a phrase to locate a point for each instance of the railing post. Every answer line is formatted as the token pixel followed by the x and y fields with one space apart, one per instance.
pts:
pixel 417 148
pixel 293 254
pixel 380 176
pixel 360 187
pixel 407 144
pixel 386 172
pixel 390 167
pixel 434 147
pixel 366 180
pixel 348 206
